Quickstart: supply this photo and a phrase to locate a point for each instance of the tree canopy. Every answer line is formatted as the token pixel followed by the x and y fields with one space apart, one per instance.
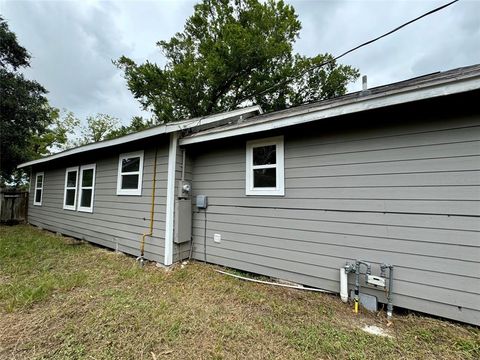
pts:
pixel 24 109
pixel 233 53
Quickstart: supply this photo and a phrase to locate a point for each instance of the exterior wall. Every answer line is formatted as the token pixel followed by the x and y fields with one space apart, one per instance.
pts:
pixel 117 222
pixel 394 186
pixel 181 251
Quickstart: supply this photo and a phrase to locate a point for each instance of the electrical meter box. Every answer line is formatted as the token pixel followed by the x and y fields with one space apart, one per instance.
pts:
pixel 202 201
pixel 184 189
pixel 183 221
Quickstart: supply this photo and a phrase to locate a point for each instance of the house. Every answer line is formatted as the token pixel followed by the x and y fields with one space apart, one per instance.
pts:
pixel 385 175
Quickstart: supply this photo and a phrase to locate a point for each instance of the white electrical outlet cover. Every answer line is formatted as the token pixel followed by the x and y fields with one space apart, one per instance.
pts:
pixel 217 238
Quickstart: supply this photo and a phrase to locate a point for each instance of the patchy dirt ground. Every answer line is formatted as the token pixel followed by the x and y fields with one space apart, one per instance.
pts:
pixel 63 299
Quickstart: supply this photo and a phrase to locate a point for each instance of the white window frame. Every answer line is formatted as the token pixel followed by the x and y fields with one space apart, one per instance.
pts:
pixel 82 188
pixel 279 190
pixel 38 203
pixel 66 187
pixel 138 190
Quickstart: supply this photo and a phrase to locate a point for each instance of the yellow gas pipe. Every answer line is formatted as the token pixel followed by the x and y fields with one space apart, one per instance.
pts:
pixel 152 211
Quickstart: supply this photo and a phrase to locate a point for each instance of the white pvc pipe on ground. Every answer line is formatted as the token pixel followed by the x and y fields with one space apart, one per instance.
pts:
pixel 298 287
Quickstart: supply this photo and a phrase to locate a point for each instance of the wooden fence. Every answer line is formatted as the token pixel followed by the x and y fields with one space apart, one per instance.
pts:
pixel 13 206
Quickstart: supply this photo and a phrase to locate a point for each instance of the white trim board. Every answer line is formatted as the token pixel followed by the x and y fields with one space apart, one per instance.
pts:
pixel 399 96
pixel 170 208
pixel 154 131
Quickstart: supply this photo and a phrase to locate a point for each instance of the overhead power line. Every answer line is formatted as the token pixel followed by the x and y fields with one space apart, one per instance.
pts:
pixel 286 81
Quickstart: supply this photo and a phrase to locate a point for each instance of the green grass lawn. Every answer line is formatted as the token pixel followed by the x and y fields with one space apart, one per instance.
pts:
pixel 61 299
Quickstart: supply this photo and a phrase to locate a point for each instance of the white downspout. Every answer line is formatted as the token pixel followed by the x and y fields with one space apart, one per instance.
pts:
pixel 172 159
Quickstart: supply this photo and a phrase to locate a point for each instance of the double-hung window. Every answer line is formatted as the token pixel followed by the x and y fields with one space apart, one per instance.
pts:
pixel 265 167
pixel 37 200
pixel 70 193
pixel 86 188
pixel 130 171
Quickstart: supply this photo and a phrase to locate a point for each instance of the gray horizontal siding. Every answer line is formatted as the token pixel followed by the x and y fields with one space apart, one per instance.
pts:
pixel 406 194
pixel 117 222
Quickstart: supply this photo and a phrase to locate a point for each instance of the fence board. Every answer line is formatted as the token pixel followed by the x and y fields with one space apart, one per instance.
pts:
pixel 13 206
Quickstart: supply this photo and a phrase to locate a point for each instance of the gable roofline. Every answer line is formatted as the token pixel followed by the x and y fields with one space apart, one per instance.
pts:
pixel 420 88
pixel 153 131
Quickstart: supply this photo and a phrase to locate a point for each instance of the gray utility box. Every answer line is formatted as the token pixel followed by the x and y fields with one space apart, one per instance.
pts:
pixel 183 221
pixel 202 201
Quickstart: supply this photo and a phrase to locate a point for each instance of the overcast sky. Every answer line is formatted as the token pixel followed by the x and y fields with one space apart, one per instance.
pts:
pixel 73 42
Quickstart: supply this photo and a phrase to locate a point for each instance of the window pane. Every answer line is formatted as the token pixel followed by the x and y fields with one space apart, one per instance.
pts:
pixel 40 181
pixel 72 179
pixel 87 178
pixel 265 178
pixel 131 164
pixel 129 181
pixel 38 195
pixel 70 198
pixel 86 200
pixel 264 155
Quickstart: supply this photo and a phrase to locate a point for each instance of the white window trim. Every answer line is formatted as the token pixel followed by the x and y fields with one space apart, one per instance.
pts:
pixel 279 190
pixel 74 206
pixel 81 188
pixel 138 190
pixel 38 203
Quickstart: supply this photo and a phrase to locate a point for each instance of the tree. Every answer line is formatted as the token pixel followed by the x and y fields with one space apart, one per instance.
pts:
pixel 137 124
pixel 230 54
pixel 98 128
pixel 58 135
pixel 24 109
pixel 105 127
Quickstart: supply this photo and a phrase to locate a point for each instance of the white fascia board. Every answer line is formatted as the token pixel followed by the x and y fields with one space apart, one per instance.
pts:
pixel 154 131
pixel 395 97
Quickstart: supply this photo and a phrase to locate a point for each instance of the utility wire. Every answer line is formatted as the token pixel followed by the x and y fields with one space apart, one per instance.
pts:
pixel 356 48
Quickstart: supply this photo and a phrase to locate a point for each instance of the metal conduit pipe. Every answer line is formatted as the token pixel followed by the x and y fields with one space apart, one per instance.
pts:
pixel 358 264
pixel 183 163
pixel 356 299
pixel 383 267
